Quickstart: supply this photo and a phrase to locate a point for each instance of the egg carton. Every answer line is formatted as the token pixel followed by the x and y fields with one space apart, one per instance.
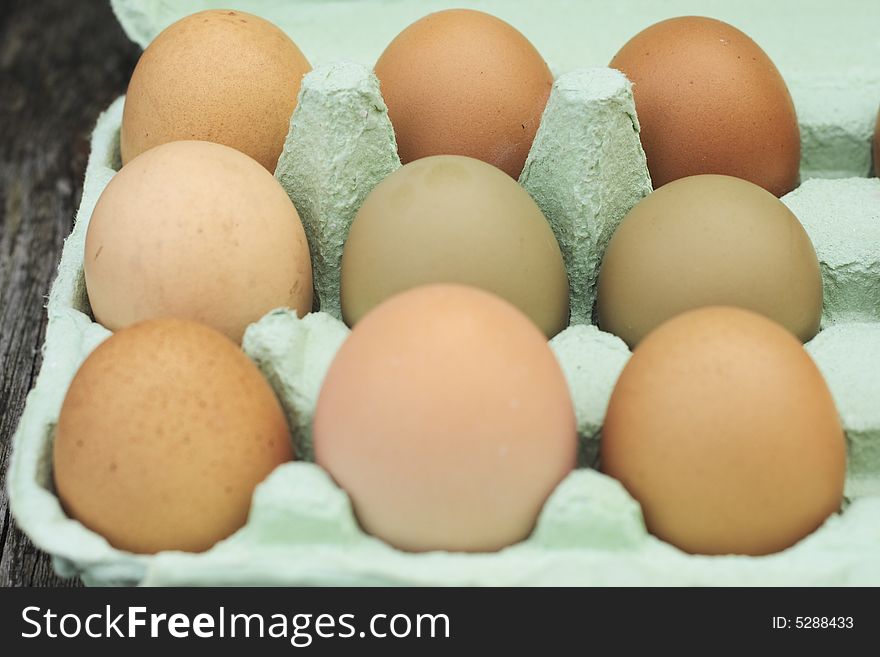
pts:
pixel 585 170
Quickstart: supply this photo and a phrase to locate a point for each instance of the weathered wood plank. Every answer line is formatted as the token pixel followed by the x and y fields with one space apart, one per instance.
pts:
pixel 61 64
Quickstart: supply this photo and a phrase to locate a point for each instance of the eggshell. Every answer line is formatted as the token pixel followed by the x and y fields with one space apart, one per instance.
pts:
pixel 466 83
pixel 447 419
pixel 164 433
pixel 195 230
pixel 219 75
pixel 709 100
pixel 454 219
pixel 724 430
pixel 708 240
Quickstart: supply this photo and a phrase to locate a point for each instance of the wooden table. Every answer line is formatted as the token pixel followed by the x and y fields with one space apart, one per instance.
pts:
pixel 61 64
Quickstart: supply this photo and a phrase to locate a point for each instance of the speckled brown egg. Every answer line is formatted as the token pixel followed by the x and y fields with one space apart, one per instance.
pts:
pixel 195 230
pixel 724 430
pixel 219 75
pixel 165 431
pixel 447 419
pixel 462 82
pixel 709 100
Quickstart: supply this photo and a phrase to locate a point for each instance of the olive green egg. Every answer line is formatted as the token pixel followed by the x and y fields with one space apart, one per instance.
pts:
pixel 454 219
pixel 708 240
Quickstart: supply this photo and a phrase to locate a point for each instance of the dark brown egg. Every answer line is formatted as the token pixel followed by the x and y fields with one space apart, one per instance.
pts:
pixel 709 100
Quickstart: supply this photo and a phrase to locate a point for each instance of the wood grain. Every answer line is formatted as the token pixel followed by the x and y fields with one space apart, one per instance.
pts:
pixel 61 64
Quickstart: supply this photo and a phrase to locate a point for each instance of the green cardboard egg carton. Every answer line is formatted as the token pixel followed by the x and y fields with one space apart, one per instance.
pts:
pixel 586 169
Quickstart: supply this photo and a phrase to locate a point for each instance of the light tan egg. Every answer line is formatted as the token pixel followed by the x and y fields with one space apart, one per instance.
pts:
pixel 165 431
pixel 706 241
pixel 195 230
pixel 218 75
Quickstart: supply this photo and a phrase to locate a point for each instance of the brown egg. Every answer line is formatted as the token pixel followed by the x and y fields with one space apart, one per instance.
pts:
pixel 447 419
pixel 724 430
pixel 708 240
pixel 218 75
pixel 195 230
pixel 709 100
pixel 463 82
pixel 165 431
pixel 454 219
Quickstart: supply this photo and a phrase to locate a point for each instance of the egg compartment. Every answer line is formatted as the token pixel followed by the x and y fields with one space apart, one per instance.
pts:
pixel 301 529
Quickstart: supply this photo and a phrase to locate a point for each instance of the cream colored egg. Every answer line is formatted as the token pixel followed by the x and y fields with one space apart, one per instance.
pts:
pixel 199 231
